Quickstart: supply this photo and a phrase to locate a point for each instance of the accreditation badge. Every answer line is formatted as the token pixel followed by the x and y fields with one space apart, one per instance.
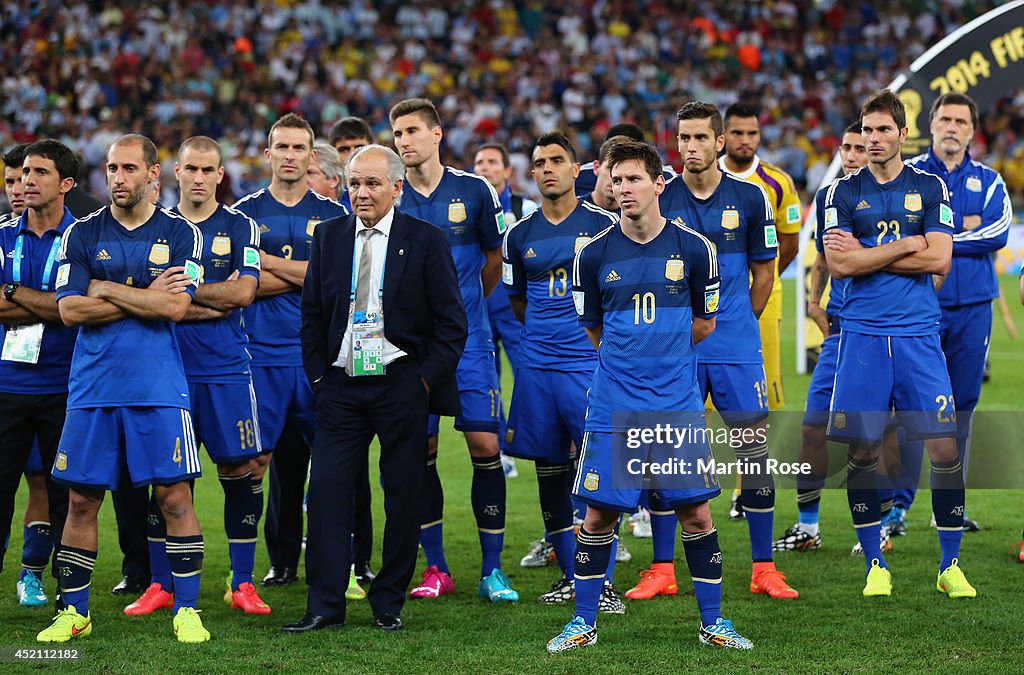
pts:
pixel 22 344
pixel 366 354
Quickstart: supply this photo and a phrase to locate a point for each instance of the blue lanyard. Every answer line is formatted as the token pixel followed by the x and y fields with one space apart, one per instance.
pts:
pixel 19 243
pixel 355 272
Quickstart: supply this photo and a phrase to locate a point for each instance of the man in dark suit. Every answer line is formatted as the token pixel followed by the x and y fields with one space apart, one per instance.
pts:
pixel 410 327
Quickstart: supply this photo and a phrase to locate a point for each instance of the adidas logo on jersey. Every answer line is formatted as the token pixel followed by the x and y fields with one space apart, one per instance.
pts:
pixel 863 205
pixel 264 229
pixel 103 255
pixel 612 276
pixel 530 253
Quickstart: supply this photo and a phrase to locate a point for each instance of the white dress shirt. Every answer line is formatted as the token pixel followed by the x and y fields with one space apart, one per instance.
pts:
pixel 379 242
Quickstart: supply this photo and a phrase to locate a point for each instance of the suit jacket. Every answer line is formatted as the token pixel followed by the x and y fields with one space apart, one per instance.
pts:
pixel 422 305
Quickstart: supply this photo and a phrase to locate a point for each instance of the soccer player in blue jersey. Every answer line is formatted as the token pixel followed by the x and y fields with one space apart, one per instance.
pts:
pixel 492 162
pixel 36 354
pixel 981 213
pixel 805 534
pixel 646 291
pixel 348 135
pixel 737 217
pixel 890 353
pixel 557 363
pixel 287 213
pixel 125 275
pixel 467 208
pixel 590 173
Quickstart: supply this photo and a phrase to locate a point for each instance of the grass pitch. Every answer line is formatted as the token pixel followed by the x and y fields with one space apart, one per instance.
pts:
pixel 830 628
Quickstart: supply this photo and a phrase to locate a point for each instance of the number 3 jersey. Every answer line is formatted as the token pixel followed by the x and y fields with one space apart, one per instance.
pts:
pixel 644 296
pixel 914 203
pixel 538 257
pixel 131 361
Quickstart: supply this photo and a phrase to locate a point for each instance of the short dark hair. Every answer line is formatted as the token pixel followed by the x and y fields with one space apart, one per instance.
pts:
pixel 954 98
pixel 349 128
pixel 624 151
pixel 500 147
pixel 201 144
pixel 853 128
pixel 61 155
pixel 416 106
pixel 626 129
pixel 700 110
pixel 149 152
pixel 606 147
pixel 559 139
pixel 15 157
pixel 885 101
pixel 292 121
pixel 741 110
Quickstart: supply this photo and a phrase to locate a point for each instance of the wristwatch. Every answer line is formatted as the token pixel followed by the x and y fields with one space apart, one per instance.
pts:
pixel 9 290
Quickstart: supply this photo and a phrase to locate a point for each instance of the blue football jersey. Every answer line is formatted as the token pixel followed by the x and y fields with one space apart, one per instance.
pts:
pixel 537 263
pixel 36 268
pixel 215 351
pixel 132 361
pixel 272 324
pixel 914 203
pixel 837 287
pixel 738 219
pixel 466 207
pixel 645 297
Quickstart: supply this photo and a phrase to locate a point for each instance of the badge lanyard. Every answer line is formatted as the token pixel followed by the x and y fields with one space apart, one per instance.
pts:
pixel 16 271
pixel 355 273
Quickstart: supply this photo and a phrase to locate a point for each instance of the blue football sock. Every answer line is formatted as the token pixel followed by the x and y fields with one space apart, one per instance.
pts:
pixel 704 558
pixel 554 483
pixel 240 526
pixel 431 517
pixel 948 506
pixel 488 498
pixel 74 567
pixel 186 557
pixel 862 495
pixel 592 552
pixel 35 552
pixel 663 528
pixel 758 496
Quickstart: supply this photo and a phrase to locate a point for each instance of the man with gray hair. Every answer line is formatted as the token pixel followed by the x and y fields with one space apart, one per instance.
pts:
pixel 325 173
pixel 379 361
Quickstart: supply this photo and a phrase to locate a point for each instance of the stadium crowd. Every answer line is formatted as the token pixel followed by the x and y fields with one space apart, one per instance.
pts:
pixel 83 72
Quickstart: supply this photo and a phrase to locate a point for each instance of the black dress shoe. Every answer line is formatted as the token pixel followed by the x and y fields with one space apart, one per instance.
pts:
pixel 388 622
pixel 280 576
pixel 312 622
pixel 130 586
pixel 364 575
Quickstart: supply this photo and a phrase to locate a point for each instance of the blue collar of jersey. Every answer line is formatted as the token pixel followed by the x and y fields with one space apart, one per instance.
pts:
pixel 935 162
pixel 64 224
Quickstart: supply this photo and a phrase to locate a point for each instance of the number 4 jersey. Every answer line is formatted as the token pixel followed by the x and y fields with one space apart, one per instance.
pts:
pixel 645 297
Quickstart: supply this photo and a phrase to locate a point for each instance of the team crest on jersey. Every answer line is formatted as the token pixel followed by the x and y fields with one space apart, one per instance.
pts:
pixel 221 246
pixel 730 219
pixel 61 463
pixel 591 482
pixel 456 212
pixel 673 269
pixel 912 202
pixel 311 225
pixel 160 254
pixel 974 184
pixel 580 243
pixel 839 421
pixel 510 435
